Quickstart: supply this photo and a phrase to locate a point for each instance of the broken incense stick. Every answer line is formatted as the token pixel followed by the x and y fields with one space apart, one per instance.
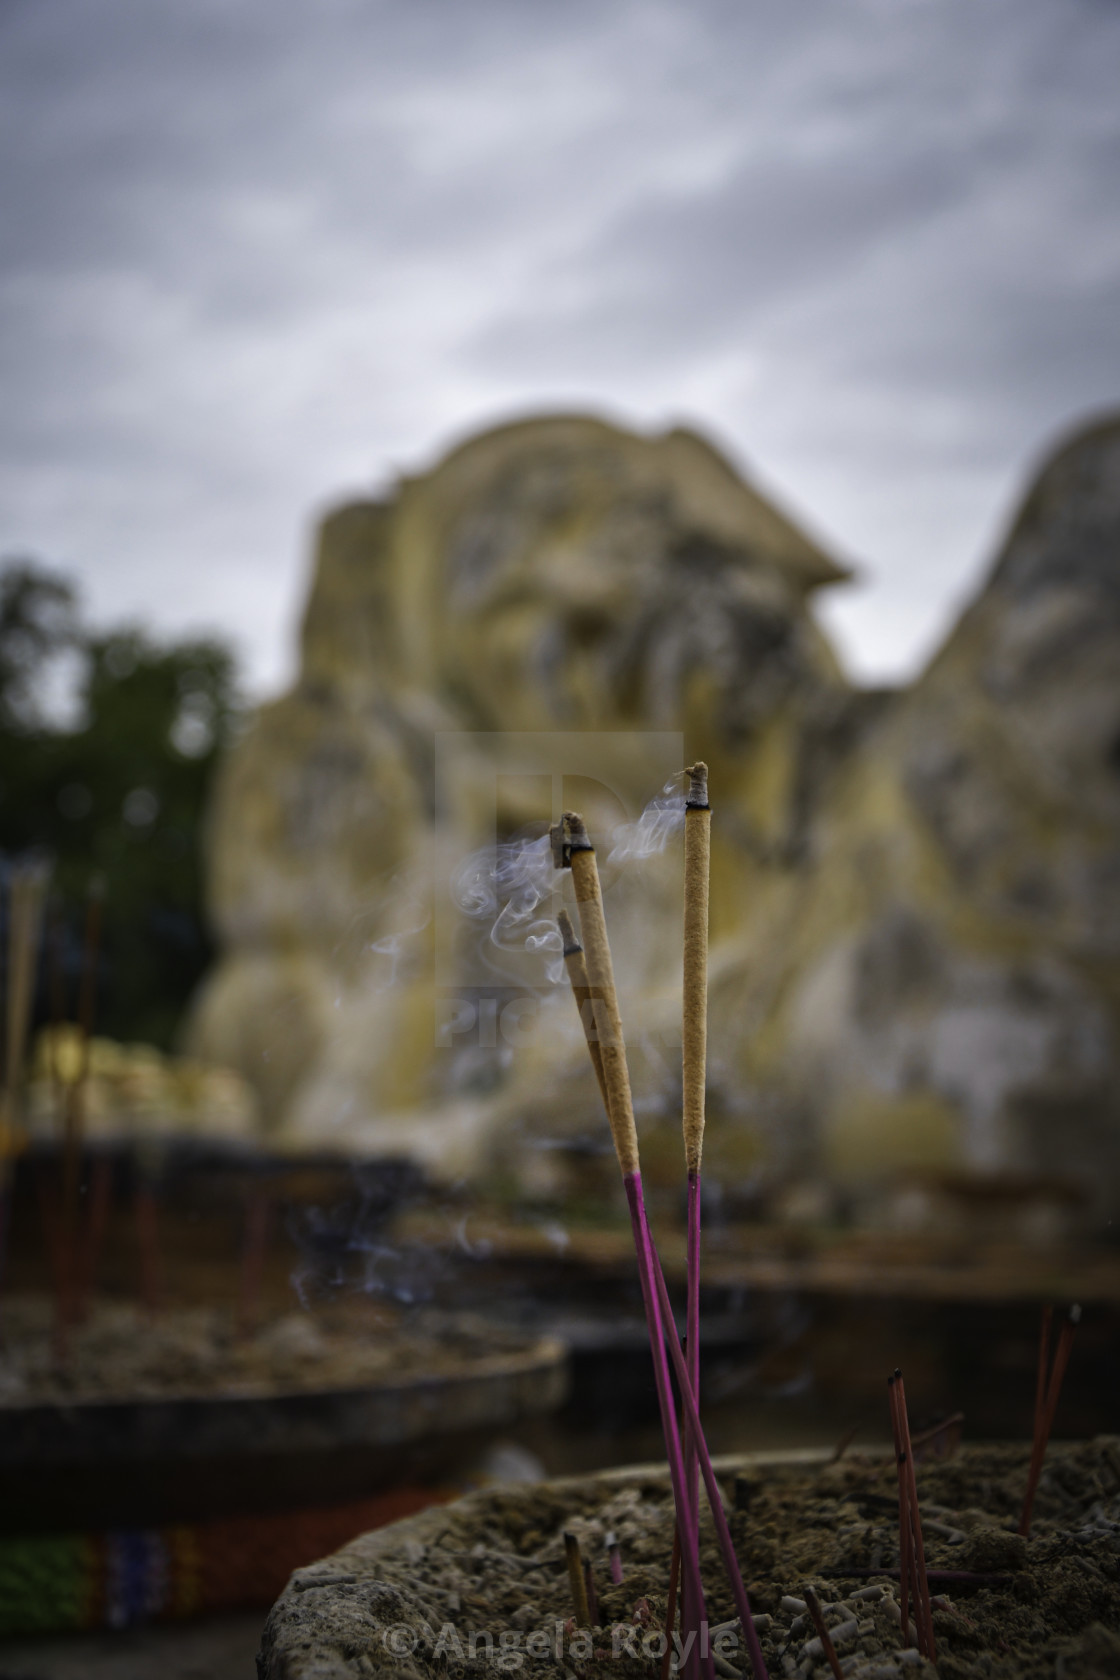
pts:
pixel 921 1582
pixel 614 1558
pixel 905 1570
pixel 813 1605
pixel 576 1581
pixel 594 1618
pixel 1044 1419
pixel 694 1054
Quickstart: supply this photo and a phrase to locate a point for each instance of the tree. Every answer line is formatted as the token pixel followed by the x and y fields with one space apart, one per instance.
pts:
pixel 116 794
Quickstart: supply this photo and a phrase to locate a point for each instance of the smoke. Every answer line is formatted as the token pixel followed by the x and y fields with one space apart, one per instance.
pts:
pixel 396 946
pixel 514 886
pixel 408 913
pixel 660 822
pixel 506 885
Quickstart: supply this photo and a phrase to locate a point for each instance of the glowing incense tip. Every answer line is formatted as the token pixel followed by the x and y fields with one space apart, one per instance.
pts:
pixel 697 786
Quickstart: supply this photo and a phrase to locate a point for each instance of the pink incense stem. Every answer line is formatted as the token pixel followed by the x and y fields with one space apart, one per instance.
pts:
pixel 723 1533
pixel 614 1557
pixel 648 1270
pixel 692 1332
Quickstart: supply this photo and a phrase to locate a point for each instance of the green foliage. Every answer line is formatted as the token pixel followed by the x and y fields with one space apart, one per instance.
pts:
pixel 118 794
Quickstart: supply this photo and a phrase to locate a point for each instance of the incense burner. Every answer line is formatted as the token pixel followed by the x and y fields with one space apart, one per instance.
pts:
pixel 487 1577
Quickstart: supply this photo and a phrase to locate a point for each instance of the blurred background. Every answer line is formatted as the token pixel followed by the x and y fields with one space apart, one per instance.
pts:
pixel 421 419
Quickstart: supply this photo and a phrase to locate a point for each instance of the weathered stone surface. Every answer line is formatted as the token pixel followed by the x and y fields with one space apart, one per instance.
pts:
pixel 916 897
pixel 942 985
pixel 558 576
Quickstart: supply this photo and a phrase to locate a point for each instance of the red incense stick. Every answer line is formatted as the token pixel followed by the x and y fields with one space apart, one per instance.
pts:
pixel 921 1583
pixel 905 1568
pixel 1045 1412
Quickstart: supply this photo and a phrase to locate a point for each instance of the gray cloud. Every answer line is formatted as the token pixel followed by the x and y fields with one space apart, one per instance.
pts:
pixel 257 255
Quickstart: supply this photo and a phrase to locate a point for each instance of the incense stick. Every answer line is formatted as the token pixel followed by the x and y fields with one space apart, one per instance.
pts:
pixel 576 1581
pixel 620 1116
pixel 594 1618
pixel 581 991
pixel 715 1501
pixel 813 1605
pixel 694 1053
pixel 603 997
pixel 905 1569
pixel 1044 1416
pixel 921 1584
pixel 614 1555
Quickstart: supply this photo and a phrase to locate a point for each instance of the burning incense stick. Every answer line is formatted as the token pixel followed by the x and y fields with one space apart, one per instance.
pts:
pixel 1045 1410
pixel 620 1115
pixel 694 1051
pixel 604 999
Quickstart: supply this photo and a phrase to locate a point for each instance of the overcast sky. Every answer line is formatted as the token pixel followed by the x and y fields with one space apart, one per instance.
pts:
pixel 257 255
